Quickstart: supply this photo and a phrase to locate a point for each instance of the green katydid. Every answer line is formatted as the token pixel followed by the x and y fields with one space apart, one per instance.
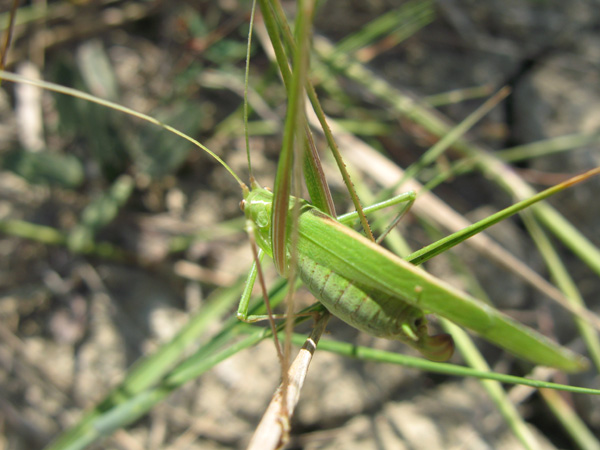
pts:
pixel 402 290
pixel 375 291
pixel 312 222
pixel 360 282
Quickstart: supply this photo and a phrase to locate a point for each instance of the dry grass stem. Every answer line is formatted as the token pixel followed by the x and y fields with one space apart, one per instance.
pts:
pixel 272 431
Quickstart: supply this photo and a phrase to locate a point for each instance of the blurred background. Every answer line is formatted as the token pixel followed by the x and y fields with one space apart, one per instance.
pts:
pixel 113 232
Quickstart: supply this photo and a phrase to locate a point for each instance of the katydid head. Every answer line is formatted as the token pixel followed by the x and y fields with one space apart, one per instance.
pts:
pixel 257 205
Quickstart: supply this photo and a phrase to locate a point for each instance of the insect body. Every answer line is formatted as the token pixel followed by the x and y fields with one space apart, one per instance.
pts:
pixel 375 291
pixel 372 311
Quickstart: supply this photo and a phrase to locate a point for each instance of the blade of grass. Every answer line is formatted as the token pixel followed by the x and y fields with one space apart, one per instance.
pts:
pixel 51 236
pixel 453 135
pixel 548 147
pixel 148 371
pixel 401 23
pixel 563 280
pixel 382 171
pixel 287 36
pixel 417 111
pixel 10 26
pixel 315 179
pixel 569 419
pixel 494 389
pixel 136 405
pixel 441 245
pixel 294 121
pixel 370 354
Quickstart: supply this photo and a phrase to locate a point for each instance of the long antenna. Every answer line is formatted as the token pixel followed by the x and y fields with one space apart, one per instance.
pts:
pixel 85 96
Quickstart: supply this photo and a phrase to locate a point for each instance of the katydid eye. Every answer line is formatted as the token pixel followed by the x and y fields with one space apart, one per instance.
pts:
pixel 243 205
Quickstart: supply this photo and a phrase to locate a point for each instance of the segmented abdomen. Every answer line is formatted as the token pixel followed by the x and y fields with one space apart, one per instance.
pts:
pixel 374 312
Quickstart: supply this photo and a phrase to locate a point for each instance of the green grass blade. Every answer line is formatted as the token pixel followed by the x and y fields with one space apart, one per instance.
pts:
pixel 293 124
pixel 414 110
pixel 276 24
pixel 453 135
pixel 548 147
pixel 153 378
pixel 51 236
pixel 312 95
pixel 150 370
pixel 448 242
pixel 99 213
pixel 401 23
pixel 564 281
pixel 458 95
pixel 136 405
pixel 494 389
pixel 370 354
pixel 576 428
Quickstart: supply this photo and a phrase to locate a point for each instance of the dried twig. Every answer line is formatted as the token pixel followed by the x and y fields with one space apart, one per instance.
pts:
pixel 273 429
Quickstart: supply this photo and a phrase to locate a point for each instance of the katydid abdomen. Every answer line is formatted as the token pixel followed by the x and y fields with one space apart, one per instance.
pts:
pixel 376 291
pixel 372 311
